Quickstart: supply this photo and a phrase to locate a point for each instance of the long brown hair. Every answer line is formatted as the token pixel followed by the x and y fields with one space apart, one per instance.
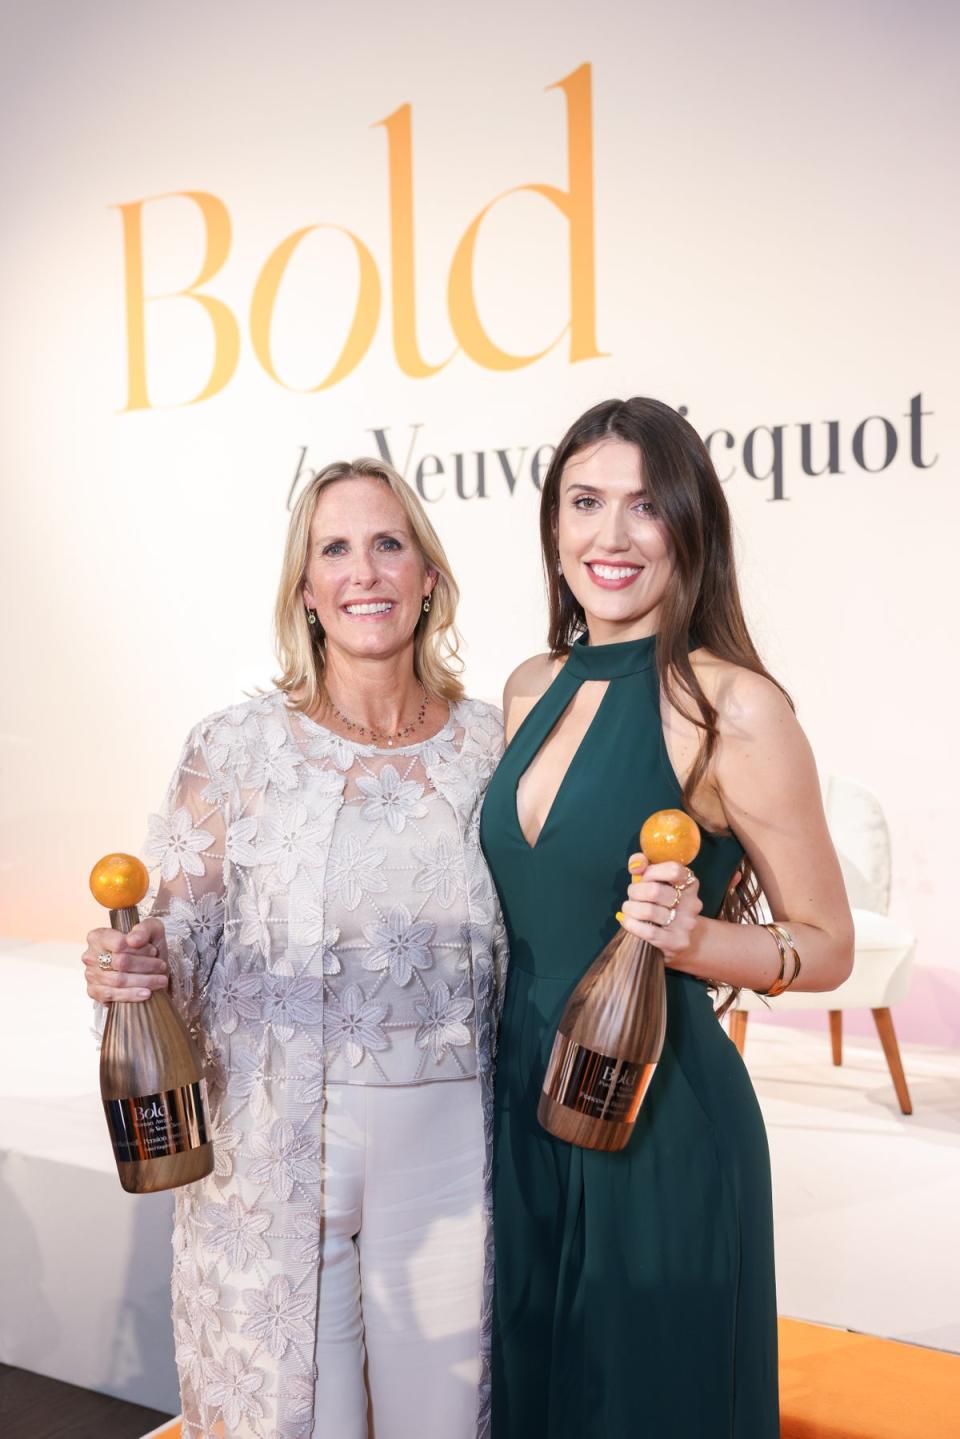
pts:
pixel 702 605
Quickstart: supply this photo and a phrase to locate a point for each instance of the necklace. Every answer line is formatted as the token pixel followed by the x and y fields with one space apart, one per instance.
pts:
pixel 375 736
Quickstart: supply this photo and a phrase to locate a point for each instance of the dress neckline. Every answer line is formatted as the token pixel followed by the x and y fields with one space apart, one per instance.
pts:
pixel 611 662
pixel 442 735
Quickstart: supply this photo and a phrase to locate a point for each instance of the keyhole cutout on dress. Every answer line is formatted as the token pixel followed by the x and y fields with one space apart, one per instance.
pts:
pixel 540 784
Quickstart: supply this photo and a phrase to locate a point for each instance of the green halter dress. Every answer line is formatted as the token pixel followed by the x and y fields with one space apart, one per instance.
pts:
pixel 634 1291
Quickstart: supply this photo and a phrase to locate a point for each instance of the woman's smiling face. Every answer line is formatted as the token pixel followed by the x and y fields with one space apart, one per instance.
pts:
pixel 365 575
pixel 614 550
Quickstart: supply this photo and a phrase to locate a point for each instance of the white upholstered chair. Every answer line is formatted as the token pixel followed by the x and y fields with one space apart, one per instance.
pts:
pixel 883 949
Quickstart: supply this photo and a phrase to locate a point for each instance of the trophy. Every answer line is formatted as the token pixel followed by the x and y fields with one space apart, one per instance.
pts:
pixel 151 1080
pixel 611 1032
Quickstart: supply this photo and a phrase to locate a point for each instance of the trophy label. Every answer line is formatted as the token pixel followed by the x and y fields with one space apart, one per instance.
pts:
pixel 600 1086
pixel 153 1126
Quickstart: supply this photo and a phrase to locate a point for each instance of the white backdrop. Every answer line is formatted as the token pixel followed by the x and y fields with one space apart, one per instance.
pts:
pixel 768 190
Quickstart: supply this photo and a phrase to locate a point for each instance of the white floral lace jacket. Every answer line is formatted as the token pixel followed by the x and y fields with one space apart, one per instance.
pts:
pixel 243 850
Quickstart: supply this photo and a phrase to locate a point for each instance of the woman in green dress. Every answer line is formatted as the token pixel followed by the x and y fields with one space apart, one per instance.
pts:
pixel 634 1291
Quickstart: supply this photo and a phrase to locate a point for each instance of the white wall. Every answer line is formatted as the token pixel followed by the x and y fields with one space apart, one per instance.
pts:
pixel 774 222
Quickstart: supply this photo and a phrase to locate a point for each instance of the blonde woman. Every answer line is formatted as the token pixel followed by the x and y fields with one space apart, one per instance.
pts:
pixel 326 922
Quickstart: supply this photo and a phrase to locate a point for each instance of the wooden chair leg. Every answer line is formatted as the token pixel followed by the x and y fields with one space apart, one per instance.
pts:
pixel 738 1029
pixel 836 1035
pixel 883 1019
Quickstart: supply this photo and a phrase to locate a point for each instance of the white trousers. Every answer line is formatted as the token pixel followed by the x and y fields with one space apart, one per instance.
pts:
pixel 401 1262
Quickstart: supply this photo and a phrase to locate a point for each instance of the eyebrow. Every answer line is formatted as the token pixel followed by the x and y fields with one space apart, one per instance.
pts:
pixel 592 490
pixel 342 539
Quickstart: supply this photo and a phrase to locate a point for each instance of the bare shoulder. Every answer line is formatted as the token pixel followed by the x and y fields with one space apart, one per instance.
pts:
pixel 748 704
pixel 531 678
pixel 529 681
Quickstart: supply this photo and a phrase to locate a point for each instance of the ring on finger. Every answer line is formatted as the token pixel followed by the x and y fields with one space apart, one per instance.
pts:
pixel 671 916
pixel 105 959
pixel 678 896
pixel 690 879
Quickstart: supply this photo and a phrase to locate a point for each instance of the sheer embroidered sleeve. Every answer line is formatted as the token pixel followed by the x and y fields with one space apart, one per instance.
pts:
pixel 185 853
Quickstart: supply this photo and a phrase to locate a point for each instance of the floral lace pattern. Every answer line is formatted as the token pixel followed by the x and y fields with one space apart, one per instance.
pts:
pixel 397 942
pixel 330 918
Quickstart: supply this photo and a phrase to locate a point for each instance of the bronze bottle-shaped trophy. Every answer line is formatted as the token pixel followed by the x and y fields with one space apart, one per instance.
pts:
pixel 611 1032
pixel 151 1079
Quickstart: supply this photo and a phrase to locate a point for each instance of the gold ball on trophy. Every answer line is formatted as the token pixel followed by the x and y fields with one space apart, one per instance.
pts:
pixel 670 834
pixel 119 881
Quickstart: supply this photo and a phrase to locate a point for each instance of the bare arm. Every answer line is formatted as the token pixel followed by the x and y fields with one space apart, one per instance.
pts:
pixel 524 687
pixel 766 782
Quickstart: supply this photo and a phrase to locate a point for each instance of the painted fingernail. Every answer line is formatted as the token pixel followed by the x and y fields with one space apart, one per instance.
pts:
pixel 143 993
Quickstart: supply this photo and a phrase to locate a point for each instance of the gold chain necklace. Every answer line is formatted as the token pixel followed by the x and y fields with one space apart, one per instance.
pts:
pixel 376 737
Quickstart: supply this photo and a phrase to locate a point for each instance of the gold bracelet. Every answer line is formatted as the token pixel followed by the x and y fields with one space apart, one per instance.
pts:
pixel 784 941
pixel 773 988
pixel 790 942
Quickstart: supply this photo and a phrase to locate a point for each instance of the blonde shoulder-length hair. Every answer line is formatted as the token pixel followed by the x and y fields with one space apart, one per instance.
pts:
pixel 301 647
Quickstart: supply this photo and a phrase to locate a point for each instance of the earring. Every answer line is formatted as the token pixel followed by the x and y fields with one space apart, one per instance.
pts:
pixel 311 617
pixel 426 604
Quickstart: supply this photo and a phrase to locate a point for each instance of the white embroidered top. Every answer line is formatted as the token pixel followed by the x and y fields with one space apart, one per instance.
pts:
pixel 396 956
pixel 330 918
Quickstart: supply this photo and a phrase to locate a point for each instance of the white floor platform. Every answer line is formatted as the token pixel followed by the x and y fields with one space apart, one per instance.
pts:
pixel 865 1199
pixel 85 1295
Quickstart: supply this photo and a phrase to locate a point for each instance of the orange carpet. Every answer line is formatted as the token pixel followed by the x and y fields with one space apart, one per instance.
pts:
pixel 835 1385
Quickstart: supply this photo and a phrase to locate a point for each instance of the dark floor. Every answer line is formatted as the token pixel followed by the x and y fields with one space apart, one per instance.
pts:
pixel 33 1407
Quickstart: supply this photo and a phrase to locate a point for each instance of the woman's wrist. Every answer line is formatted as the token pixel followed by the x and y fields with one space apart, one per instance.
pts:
pixel 744 956
pixel 689 960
